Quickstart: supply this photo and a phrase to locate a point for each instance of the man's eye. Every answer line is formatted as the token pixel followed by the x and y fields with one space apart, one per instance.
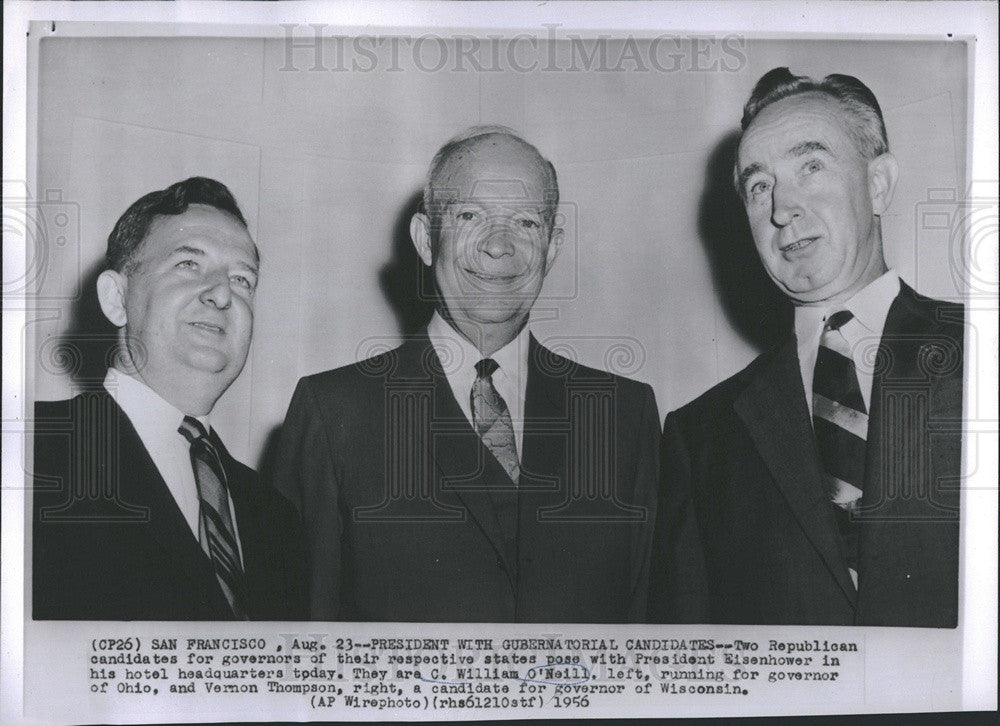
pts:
pixel 466 216
pixel 813 166
pixel 242 281
pixel 757 188
pixel 187 264
pixel 529 223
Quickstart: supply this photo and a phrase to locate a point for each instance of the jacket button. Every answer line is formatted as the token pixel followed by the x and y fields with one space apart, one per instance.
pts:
pixel 499 563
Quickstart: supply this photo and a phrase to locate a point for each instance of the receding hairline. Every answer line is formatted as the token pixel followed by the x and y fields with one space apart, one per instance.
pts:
pixel 452 153
pixel 843 117
pixel 481 135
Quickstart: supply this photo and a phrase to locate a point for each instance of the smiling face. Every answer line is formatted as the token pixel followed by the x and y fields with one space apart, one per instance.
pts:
pixel 493 243
pixel 187 304
pixel 811 199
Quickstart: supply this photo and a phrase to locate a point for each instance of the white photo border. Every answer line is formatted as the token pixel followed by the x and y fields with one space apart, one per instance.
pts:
pixel 820 20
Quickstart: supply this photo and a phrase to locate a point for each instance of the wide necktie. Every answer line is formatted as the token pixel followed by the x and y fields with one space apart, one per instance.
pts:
pixel 840 420
pixel 217 534
pixel 491 418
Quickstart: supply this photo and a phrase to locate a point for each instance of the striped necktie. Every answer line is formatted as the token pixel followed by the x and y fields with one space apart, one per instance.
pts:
pixel 216 531
pixel 840 420
pixel 491 418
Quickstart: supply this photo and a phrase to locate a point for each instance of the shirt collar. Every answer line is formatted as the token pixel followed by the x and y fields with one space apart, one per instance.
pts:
pixel 513 357
pixel 870 307
pixel 871 304
pixel 145 408
pixel 456 352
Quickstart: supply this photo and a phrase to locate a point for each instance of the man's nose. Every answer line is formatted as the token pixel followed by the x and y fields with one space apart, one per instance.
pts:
pixel 498 243
pixel 786 206
pixel 217 291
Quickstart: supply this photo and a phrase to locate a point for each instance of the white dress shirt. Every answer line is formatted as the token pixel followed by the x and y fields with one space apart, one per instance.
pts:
pixel 157 423
pixel 870 307
pixel 459 357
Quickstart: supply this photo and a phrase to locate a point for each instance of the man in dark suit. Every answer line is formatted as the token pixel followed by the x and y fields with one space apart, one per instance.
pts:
pixel 139 511
pixel 820 485
pixel 471 474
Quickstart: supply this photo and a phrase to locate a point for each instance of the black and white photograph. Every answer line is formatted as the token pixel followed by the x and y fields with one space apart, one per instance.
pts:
pixel 562 362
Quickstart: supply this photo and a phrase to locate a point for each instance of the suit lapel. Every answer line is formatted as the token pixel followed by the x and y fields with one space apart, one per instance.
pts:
pixel 468 469
pixel 142 484
pixel 773 407
pixel 244 491
pixel 898 467
pixel 907 330
pixel 545 440
pixel 247 495
pixel 544 487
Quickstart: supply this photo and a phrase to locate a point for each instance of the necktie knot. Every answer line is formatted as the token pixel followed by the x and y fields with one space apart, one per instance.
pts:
pixel 839 319
pixel 192 430
pixel 486 368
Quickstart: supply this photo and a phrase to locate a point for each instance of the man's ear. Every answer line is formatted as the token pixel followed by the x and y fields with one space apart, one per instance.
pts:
pixel 420 233
pixel 882 174
pixel 555 242
pixel 111 287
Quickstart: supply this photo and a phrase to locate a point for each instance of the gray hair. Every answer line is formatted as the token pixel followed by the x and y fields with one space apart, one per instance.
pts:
pixel 432 206
pixel 867 127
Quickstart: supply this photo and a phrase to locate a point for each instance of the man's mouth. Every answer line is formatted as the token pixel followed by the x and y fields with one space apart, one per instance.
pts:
pixel 798 244
pixel 492 278
pixel 208 327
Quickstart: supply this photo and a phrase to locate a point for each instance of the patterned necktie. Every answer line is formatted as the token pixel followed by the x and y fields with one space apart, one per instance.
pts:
pixel 492 419
pixel 840 420
pixel 217 534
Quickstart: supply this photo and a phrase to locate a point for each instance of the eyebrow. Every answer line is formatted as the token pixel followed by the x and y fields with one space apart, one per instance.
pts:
pixel 250 268
pixel 188 249
pixel 800 149
pixel 517 205
pixel 806 147
pixel 747 173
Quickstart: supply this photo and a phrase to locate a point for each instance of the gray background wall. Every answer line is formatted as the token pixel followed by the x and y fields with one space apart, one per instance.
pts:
pixel 657 277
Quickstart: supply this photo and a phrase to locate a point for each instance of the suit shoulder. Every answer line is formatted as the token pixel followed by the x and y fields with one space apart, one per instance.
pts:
pixel 57 415
pixel 243 470
pixel 47 410
pixel 946 313
pixel 551 363
pixel 353 374
pixel 355 388
pixel 69 404
pixel 720 397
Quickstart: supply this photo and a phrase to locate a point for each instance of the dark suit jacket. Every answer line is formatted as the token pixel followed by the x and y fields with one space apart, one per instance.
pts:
pixel 110 542
pixel 409 517
pixel 747 534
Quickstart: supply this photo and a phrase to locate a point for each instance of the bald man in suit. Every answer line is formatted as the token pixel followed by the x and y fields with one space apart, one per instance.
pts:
pixel 472 474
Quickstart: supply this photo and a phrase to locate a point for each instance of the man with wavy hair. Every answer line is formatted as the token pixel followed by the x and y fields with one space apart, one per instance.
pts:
pixel 820 484
pixel 140 513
